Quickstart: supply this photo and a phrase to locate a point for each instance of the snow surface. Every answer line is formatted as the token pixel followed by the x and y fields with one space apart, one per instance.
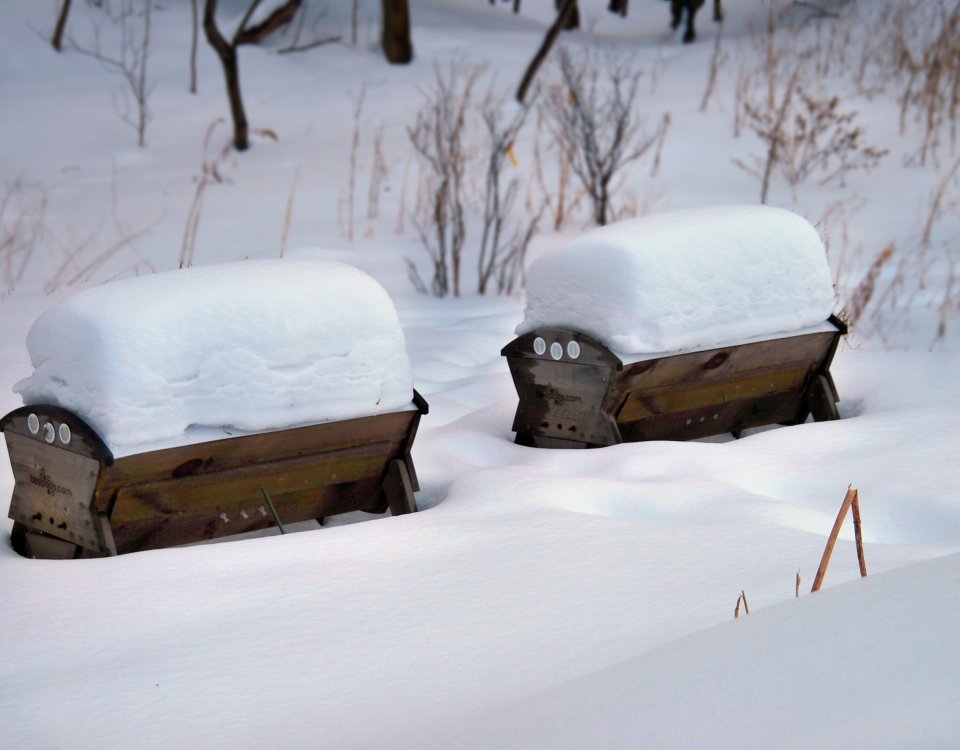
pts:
pixel 251 345
pixel 684 279
pixel 540 598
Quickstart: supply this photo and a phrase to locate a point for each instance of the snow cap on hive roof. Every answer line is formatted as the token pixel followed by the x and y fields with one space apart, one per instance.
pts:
pixel 252 345
pixel 685 279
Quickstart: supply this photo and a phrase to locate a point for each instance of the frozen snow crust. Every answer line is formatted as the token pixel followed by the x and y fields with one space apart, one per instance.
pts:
pixel 685 280
pixel 252 345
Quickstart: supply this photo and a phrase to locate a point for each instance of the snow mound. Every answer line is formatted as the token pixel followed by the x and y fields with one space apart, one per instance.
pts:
pixel 253 345
pixel 685 280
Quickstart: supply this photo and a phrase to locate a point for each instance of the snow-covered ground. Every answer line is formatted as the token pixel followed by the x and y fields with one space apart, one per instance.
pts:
pixel 540 598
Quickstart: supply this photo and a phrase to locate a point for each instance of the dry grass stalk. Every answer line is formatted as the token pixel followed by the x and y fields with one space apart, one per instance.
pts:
pixel 664 127
pixel 209 170
pixel 556 202
pixel 403 196
pixel 864 292
pixel 378 173
pixel 288 214
pixel 23 210
pixel 127 241
pixel 354 146
pixel 796 591
pixel 936 205
pixel 717 60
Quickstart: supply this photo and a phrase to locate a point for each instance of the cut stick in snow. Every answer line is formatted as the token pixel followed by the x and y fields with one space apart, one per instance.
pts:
pixel 848 500
pixel 797 589
pixel 855 503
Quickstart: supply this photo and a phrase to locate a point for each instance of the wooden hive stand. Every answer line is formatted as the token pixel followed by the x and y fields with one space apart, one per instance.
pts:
pixel 72 498
pixel 574 392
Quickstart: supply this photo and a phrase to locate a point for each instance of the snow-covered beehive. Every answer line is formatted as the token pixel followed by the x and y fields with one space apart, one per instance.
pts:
pixel 210 401
pixel 676 326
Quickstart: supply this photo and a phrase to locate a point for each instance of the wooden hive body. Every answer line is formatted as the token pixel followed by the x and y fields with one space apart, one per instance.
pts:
pixel 72 498
pixel 575 392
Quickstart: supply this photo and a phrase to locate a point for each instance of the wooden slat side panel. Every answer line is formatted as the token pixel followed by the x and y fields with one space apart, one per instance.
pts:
pixel 214 457
pixel 811 349
pixel 211 493
pixel 239 516
pixel 710 392
pixel 774 408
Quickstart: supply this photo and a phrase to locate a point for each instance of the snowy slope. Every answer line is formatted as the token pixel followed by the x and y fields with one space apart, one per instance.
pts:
pixel 540 598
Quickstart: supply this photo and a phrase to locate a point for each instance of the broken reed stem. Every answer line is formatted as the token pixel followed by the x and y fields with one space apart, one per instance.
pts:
pixel 746 607
pixel 850 499
pixel 354 145
pixel 289 212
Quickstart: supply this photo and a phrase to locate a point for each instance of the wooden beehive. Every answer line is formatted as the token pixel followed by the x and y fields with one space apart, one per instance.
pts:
pixel 72 498
pixel 574 392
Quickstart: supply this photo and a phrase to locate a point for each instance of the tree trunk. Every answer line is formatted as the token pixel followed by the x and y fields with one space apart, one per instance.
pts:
pixel 193 46
pixel 572 20
pixel 228 58
pixel 397 47
pixel 281 16
pixel 552 33
pixel 57 40
pixel 618 6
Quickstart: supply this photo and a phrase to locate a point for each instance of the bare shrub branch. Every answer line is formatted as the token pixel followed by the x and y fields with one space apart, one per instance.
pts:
pixel 129 62
pixel 209 170
pixel 439 137
pixel 502 245
pixel 592 115
pixel 806 133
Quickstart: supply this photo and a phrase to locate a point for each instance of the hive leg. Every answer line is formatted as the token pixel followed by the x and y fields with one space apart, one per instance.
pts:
pixel 399 488
pixel 821 399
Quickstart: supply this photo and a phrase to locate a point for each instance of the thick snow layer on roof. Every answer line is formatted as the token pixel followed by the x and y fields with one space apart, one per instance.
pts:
pixel 685 280
pixel 252 345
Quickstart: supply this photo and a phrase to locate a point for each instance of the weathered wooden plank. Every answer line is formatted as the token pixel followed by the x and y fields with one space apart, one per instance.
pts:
pixel 241 515
pixel 217 456
pixel 810 348
pixel 710 392
pixel 734 416
pixel 211 492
